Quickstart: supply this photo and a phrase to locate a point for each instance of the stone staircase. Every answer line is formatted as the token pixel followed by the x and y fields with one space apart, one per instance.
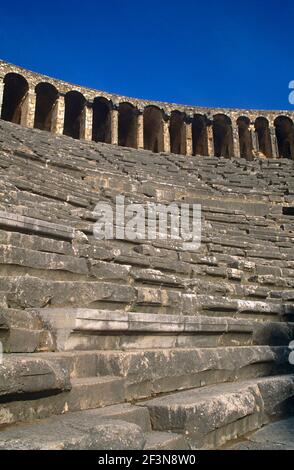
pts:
pixel 131 345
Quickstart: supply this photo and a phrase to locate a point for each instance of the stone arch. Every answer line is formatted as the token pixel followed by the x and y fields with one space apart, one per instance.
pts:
pixel 245 138
pixel 199 135
pixel 177 131
pixel 223 136
pixel 127 125
pixel 101 130
pixel 285 136
pixel 153 129
pixel 15 89
pixel 74 106
pixel 263 135
pixel 46 96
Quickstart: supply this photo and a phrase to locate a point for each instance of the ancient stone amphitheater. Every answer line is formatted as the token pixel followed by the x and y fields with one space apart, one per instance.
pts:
pixel 118 344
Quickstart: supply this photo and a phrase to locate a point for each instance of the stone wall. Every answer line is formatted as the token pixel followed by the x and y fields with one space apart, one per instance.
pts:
pixel 35 100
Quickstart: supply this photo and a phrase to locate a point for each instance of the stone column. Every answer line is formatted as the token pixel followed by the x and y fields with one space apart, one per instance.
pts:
pixel 165 132
pixel 189 137
pixel 140 130
pixel 236 140
pixel 86 122
pixel 274 143
pixel 114 125
pixel 57 121
pixel 254 140
pixel 210 142
pixel 28 106
pixel 1 94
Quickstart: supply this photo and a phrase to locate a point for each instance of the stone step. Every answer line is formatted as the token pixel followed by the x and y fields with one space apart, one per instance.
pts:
pixel 95 392
pixel 29 375
pixel 71 430
pixel 213 415
pixel 84 430
pixel 222 306
pixel 22 332
pixel 216 175
pixel 30 291
pixel 90 329
pixel 153 372
pixel 80 394
pixel 121 330
pixel 35 242
pixel 274 436
pixel 165 441
pixel 125 412
pixel 69 182
pixel 24 224
pixel 40 260
pixel 101 378
pixel 56 267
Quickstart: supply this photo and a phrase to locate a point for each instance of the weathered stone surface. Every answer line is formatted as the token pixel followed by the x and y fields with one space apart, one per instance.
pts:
pixel 152 317
pixel 27 291
pixel 57 432
pixel 152 372
pixel 34 242
pixel 28 375
pixel 22 340
pixel 86 393
pixel 95 392
pixel 80 433
pixel 22 223
pixel 199 413
pixel 75 328
pixel 165 441
pixel 40 260
pixel 109 271
pixel 12 318
pixel 275 436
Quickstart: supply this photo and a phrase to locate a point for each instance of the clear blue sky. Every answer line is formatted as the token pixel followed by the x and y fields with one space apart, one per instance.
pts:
pixel 208 53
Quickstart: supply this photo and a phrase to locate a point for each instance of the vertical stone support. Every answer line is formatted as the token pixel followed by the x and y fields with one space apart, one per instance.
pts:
pixel 114 125
pixel 274 143
pixel 165 133
pixel 236 141
pixel 188 135
pixel 254 140
pixel 28 106
pixel 57 122
pixel 210 142
pixel 140 129
pixel 1 94
pixel 86 122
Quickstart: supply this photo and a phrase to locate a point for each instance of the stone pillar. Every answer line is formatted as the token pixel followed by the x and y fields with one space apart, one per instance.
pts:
pixel 1 94
pixel 140 130
pixel 210 142
pixel 254 140
pixel 57 121
pixel 236 141
pixel 274 143
pixel 86 122
pixel 189 137
pixel 28 106
pixel 114 125
pixel 166 135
